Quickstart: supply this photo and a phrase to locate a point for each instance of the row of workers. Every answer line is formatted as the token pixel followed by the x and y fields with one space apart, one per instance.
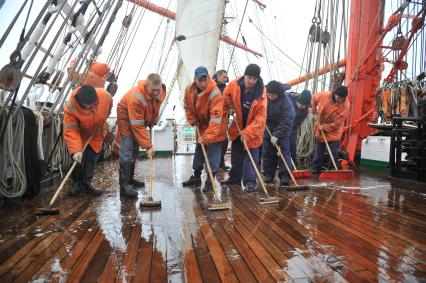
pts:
pixel 250 106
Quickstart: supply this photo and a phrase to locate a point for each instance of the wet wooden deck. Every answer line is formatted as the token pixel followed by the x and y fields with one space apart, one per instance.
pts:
pixel 366 230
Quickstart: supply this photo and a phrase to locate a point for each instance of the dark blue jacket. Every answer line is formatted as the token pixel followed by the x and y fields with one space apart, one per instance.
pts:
pixel 281 115
pixel 247 99
pixel 300 114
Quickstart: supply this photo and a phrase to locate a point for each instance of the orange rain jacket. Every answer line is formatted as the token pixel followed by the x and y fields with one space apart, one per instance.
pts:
pixel 206 108
pixel 80 123
pixel 256 120
pixel 136 111
pixel 331 116
pixel 95 76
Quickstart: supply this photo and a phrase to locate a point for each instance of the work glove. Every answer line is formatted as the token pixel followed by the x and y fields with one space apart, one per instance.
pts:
pixel 195 124
pixel 274 140
pixel 150 152
pixel 77 157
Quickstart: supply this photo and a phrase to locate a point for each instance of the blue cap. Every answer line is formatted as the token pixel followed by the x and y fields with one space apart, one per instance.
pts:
pixel 201 72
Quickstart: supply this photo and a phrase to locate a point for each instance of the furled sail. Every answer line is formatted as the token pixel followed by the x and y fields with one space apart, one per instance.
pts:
pixel 198 28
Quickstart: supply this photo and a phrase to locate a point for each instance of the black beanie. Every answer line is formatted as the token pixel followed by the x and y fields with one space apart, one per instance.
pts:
pixel 274 87
pixel 252 70
pixel 86 95
pixel 341 91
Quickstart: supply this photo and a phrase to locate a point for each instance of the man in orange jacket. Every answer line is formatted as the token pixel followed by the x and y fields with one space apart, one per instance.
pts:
pixel 331 108
pixel 85 113
pixel 138 108
pixel 204 108
pixel 96 75
pixel 246 98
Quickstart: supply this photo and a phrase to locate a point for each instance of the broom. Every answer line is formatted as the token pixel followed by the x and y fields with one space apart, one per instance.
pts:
pixel 212 206
pixel 50 210
pixel 150 202
pixel 336 173
pixel 296 186
pixel 300 173
pixel 268 199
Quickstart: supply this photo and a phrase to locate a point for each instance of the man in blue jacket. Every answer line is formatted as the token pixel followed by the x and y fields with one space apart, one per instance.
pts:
pixel 280 120
pixel 301 102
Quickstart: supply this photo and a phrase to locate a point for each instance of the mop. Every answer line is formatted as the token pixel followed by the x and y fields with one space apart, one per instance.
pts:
pixel 212 206
pixel 50 210
pixel 268 199
pixel 333 174
pixel 296 186
pixel 150 202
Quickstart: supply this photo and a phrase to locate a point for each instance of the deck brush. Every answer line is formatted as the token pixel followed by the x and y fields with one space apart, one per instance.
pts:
pixel 296 186
pixel 212 206
pixel 333 174
pixel 298 174
pixel 268 199
pixel 337 174
pixel 50 210
pixel 150 202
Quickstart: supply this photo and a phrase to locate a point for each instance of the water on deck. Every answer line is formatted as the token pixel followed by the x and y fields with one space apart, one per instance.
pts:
pixel 366 230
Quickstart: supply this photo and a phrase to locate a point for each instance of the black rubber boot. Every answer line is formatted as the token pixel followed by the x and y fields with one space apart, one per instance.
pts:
pixel 135 183
pixel 76 176
pixel 88 169
pixel 125 188
pixel 251 188
pixel 194 180
pixel 208 186
pixel 268 179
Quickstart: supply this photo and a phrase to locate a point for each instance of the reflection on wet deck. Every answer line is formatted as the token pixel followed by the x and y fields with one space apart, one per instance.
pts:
pixel 355 230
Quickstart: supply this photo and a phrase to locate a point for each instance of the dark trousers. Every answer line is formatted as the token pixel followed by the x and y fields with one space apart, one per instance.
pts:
pixel 214 152
pixel 271 158
pixel 320 149
pixel 83 172
pixel 242 168
pixel 129 150
pixel 224 148
pixel 293 144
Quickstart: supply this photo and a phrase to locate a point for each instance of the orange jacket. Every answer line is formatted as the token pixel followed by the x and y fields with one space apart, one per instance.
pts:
pixel 256 120
pixel 331 116
pixel 95 76
pixel 80 123
pixel 206 108
pixel 136 111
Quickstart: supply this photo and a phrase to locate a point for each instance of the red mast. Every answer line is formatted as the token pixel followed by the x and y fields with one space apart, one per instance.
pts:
pixel 363 70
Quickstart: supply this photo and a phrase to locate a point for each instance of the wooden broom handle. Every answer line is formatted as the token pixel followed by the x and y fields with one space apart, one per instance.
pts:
pixel 209 169
pixel 283 159
pixel 252 162
pixel 55 196
pixel 326 143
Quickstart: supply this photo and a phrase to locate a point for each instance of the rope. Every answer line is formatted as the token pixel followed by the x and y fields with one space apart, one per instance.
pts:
pixel 12 156
pixel 238 34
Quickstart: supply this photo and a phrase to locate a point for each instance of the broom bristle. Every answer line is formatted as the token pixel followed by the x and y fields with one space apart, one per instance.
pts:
pixel 151 203
pixel 47 211
pixel 339 174
pixel 219 206
pixel 270 200
pixel 302 174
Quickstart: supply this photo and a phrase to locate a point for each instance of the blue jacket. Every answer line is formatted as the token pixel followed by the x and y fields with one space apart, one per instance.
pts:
pixel 300 114
pixel 281 115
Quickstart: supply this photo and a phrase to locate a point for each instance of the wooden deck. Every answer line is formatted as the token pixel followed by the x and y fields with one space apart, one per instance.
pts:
pixel 366 230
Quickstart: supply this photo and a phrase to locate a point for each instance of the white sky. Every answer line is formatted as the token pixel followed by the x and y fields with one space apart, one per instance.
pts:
pixel 285 22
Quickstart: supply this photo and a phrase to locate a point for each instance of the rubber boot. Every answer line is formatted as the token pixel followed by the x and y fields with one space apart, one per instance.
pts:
pixel 76 177
pixel 88 169
pixel 251 188
pixel 125 188
pixel 135 183
pixel 194 180
pixel 268 179
pixel 208 186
